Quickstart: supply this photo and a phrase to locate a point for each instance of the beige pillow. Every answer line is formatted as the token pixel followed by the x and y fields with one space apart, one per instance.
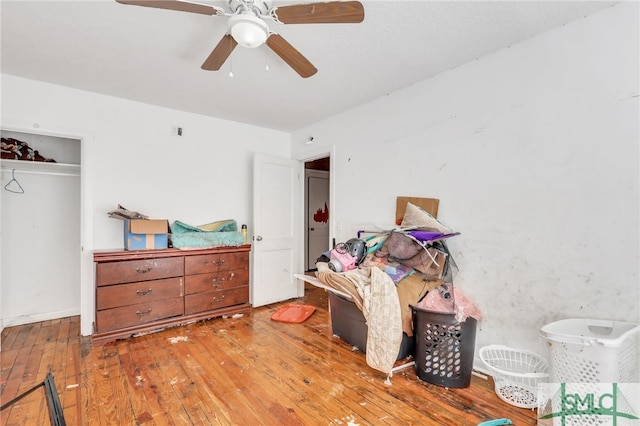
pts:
pixel 415 216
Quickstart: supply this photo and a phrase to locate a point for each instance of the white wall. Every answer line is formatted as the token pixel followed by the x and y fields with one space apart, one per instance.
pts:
pixel 533 152
pixel 130 157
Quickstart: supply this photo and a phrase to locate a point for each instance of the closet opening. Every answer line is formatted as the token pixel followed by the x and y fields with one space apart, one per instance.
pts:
pixel 40 223
pixel 317 210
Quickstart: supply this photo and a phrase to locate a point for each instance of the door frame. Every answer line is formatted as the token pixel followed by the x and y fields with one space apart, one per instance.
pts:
pixel 310 155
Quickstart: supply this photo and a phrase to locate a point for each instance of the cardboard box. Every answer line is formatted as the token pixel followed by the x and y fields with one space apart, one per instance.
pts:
pixel 146 234
pixel 430 205
pixel 348 323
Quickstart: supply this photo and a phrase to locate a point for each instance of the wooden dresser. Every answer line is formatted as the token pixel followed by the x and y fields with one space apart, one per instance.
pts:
pixel 145 290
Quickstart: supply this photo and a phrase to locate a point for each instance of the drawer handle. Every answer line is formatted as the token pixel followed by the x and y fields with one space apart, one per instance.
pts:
pixel 218 262
pixel 144 269
pixel 143 313
pixel 144 292
pixel 218 281
pixel 215 299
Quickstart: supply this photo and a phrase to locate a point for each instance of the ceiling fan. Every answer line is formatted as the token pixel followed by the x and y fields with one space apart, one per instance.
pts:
pixel 247 25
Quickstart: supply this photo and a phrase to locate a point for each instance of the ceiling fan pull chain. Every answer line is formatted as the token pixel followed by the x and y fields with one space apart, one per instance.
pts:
pixel 231 58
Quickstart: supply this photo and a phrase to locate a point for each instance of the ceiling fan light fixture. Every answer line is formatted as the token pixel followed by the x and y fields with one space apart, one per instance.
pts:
pixel 248 30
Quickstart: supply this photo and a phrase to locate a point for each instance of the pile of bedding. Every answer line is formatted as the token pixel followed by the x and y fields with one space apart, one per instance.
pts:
pixel 222 233
pixel 401 268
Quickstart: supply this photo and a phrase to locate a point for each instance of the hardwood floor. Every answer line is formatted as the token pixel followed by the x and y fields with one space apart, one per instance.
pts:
pixel 228 371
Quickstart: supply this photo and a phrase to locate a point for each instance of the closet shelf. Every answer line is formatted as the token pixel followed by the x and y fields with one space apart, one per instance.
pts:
pixel 40 167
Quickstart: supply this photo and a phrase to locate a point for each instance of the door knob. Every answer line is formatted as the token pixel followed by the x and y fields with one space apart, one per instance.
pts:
pixel 258 238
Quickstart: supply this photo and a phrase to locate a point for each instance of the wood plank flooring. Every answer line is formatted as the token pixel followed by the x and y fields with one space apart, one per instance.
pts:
pixel 248 370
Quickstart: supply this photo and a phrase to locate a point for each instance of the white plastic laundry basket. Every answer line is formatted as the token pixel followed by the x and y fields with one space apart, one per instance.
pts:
pixel 592 351
pixel 516 373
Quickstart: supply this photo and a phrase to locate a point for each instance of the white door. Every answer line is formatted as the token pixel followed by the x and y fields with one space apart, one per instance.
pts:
pixel 276 230
pixel 317 215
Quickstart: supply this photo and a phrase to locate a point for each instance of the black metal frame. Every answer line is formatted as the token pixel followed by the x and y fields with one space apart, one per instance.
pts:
pixel 53 401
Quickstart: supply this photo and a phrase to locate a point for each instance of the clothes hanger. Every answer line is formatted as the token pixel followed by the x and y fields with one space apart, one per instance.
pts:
pixel 19 190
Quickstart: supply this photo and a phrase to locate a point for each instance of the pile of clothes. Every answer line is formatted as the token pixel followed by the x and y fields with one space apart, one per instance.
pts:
pixel 404 267
pixel 13 149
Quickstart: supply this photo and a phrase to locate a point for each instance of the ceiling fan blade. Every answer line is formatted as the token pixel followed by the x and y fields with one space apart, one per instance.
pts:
pixel 291 56
pixel 220 53
pixel 334 12
pixel 179 5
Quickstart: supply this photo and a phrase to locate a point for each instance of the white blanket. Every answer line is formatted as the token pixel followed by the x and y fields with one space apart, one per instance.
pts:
pixel 384 322
pixel 374 292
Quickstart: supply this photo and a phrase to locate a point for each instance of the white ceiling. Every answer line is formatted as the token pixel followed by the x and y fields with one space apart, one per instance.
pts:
pixel 154 55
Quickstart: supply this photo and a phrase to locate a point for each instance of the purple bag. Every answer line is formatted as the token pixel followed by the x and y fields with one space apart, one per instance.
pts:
pixel 431 236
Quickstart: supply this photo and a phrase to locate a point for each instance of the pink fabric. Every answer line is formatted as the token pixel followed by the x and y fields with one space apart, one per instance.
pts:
pixel 458 304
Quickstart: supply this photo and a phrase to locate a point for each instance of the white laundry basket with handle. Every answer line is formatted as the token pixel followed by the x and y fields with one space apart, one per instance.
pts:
pixel 516 373
pixel 592 351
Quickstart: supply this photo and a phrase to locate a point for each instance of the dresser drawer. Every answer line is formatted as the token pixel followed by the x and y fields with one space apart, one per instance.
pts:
pixel 144 290
pixel 215 299
pixel 141 313
pixel 202 283
pixel 112 296
pixel 208 263
pixel 138 270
